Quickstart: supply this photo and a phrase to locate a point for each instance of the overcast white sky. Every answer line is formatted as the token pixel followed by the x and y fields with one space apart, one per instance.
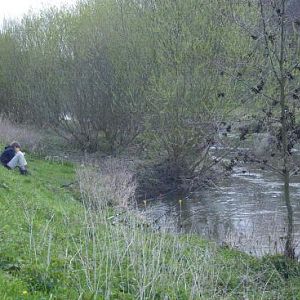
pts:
pixel 16 8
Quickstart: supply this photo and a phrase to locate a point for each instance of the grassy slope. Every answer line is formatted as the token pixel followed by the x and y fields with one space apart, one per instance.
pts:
pixel 42 237
pixel 28 205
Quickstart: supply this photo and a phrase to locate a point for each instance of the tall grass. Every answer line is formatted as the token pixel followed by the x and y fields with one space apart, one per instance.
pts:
pixel 109 182
pixel 127 261
pixel 29 137
pixel 120 257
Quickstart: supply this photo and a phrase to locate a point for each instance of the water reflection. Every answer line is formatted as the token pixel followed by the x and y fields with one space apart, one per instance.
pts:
pixel 246 211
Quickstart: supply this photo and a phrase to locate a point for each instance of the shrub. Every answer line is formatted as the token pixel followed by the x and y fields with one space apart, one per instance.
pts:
pixel 111 184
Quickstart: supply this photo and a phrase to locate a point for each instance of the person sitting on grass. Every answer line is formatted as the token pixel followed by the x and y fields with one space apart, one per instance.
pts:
pixel 13 157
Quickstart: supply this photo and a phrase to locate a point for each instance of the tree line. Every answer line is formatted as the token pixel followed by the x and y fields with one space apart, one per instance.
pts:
pixel 119 71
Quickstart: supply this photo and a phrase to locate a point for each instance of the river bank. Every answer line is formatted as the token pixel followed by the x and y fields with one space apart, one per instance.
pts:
pixel 54 246
pixel 246 213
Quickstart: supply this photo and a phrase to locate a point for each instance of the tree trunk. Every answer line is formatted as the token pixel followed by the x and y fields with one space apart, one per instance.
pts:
pixel 289 250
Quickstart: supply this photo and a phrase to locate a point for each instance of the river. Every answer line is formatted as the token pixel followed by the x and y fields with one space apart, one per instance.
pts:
pixel 246 211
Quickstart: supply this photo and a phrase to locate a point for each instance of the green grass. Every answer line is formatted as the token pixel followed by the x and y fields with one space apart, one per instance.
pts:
pixel 51 247
pixel 33 210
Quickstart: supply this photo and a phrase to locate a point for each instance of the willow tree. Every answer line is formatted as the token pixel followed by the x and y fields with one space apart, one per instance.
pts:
pixel 128 52
pixel 184 104
pixel 14 62
pixel 271 76
pixel 31 68
pixel 83 72
pixel 105 74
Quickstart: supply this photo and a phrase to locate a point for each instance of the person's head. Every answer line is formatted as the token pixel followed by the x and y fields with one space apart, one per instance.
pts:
pixel 16 146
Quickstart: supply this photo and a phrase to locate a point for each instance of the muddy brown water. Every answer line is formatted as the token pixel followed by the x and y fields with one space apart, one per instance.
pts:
pixel 246 211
